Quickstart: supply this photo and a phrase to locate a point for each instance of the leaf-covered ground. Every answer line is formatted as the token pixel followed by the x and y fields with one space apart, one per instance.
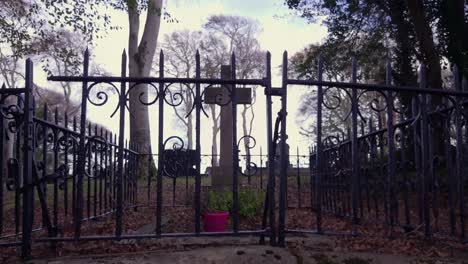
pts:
pixel 178 217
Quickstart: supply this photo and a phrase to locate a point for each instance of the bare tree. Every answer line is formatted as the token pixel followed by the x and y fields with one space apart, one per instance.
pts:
pixel 213 55
pixel 180 48
pixel 239 36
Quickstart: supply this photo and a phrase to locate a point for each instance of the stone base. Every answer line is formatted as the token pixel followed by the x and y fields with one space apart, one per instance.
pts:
pixel 221 176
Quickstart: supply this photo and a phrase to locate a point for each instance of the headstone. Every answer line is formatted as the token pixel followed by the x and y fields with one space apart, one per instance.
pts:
pixel 221 176
pixel 278 160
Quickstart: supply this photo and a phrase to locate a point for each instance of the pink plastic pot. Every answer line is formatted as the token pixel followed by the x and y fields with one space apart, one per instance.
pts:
pixel 215 221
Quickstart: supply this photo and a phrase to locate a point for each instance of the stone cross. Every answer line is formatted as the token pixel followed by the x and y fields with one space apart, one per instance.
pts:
pixel 221 176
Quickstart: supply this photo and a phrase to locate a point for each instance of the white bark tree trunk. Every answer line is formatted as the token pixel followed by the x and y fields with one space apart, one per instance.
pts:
pixel 140 55
pixel 215 130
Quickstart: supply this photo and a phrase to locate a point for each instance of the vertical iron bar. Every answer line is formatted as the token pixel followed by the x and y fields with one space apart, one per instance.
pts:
pixel 459 155
pixel 44 152
pixel 82 150
pixel 101 169
pixel 2 163
pixel 432 181
pixel 150 177
pixel 424 154
pixel 451 176
pixel 374 187
pixel 125 172
pixel 362 160
pixel 106 170
pixel 283 156
pixel 354 150
pixel 95 171
pixel 391 151
pixel 122 106
pixel 298 179
pixel 114 174
pixel 462 181
pixel 319 151
pixel 417 158
pixel 18 181
pixel 406 183
pixel 74 166
pixel 198 105
pixel 56 160
pixel 28 151
pixel 65 187
pixel 235 153
pixel 261 169
pixel 271 207
pixel 159 183
pixel 88 180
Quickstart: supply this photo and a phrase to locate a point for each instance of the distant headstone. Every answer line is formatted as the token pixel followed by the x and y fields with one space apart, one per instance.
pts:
pixel 278 159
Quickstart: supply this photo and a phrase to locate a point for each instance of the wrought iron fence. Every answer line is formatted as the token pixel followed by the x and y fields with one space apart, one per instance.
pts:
pixel 38 177
pixel 398 163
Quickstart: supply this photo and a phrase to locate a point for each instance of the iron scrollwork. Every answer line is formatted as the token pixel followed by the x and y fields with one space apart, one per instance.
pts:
pixel 251 167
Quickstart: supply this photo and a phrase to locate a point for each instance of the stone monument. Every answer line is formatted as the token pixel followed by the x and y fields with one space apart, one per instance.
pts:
pixel 221 176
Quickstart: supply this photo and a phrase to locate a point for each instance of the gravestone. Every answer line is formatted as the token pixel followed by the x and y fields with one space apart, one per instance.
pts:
pixel 278 160
pixel 278 156
pixel 221 176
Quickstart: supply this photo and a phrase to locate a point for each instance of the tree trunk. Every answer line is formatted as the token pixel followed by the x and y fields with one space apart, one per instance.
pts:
pixel 452 20
pixel 431 59
pixel 246 133
pixel 140 61
pixel 427 47
pixel 215 130
pixel 404 74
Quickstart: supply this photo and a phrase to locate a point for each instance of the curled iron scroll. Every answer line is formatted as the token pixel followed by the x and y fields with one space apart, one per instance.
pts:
pixel 12 113
pixel 251 167
pixel 140 96
pixel 174 157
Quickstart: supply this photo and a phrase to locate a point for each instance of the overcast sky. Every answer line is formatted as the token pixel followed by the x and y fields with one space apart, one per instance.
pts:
pixel 281 31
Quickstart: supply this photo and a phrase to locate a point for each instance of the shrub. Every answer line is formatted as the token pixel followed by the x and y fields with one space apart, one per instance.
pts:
pixel 219 201
pixel 250 202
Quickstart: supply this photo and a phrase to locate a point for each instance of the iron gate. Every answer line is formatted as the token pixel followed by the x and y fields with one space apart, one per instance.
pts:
pixel 102 169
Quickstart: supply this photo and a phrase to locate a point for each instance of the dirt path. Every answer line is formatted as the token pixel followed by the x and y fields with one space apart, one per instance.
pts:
pixel 300 250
